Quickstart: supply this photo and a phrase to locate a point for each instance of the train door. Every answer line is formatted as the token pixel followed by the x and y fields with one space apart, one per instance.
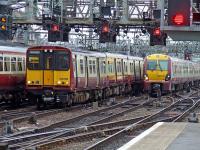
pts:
pixel 86 71
pixel 115 67
pixel 134 70
pixel 140 71
pixel 48 74
pixel 98 72
pixel 123 68
pixel 75 70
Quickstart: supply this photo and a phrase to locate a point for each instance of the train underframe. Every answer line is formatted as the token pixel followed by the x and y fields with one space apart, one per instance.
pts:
pixel 157 89
pixel 14 97
pixel 66 98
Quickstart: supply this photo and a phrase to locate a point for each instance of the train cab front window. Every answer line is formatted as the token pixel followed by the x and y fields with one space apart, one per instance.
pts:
pixel 61 60
pixel 163 65
pixel 34 60
pixel 157 65
pixel 151 65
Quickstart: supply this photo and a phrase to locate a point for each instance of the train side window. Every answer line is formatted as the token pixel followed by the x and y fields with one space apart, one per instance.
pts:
pixel 104 67
pixel 24 64
pixel 120 67
pixel 13 63
pixel 109 67
pixel 130 67
pixel 1 63
pixel 126 67
pixel 19 64
pixel 94 67
pixel 81 66
pixel 90 66
pixel 6 63
pixel 74 66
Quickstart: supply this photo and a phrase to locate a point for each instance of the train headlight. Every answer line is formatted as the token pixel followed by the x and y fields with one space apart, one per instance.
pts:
pixel 167 77
pixel 29 82
pixel 146 78
pixel 59 82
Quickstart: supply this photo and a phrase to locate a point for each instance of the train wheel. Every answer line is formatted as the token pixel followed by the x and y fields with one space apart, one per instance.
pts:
pixel 40 104
pixel 188 89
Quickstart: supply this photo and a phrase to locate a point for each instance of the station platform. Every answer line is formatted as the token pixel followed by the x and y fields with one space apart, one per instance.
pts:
pixel 167 136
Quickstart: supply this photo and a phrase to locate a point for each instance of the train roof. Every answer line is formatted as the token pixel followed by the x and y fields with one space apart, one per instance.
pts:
pixel 116 55
pixel 166 57
pixel 84 52
pixel 13 49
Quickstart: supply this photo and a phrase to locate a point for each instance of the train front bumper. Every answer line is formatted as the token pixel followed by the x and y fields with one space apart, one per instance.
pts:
pixel 151 85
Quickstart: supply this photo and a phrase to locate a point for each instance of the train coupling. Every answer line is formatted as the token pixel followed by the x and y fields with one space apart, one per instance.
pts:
pixel 48 99
pixel 48 96
pixel 156 87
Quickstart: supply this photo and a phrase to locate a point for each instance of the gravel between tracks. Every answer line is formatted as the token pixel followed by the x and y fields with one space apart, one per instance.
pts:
pixel 54 118
pixel 47 120
pixel 78 146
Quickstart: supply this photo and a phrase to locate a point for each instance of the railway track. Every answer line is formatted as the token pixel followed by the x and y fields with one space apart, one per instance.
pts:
pixel 107 130
pixel 62 123
pixel 102 126
pixel 89 126
pixel 21 116
pixel 133 130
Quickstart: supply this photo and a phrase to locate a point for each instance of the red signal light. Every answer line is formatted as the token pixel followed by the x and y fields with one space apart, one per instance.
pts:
pixel 157 32
pixel 105 28
pixel 178 19
pixel 55 27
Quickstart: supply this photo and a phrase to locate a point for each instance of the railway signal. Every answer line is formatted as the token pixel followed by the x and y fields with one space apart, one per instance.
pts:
pixel 3 23
pixel 179 12
pixel 54 33
pixel 5 26
pixel 157 37
pixel 58 32
pixel 104 32
pixel 107 33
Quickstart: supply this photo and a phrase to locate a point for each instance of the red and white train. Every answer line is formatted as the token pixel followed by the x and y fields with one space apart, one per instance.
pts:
pixel 166 74
pixel 60 75
pixel 12 73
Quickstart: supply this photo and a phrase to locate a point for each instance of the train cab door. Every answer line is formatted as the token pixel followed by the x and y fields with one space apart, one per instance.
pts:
pixel 76 70
pixel 48 74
